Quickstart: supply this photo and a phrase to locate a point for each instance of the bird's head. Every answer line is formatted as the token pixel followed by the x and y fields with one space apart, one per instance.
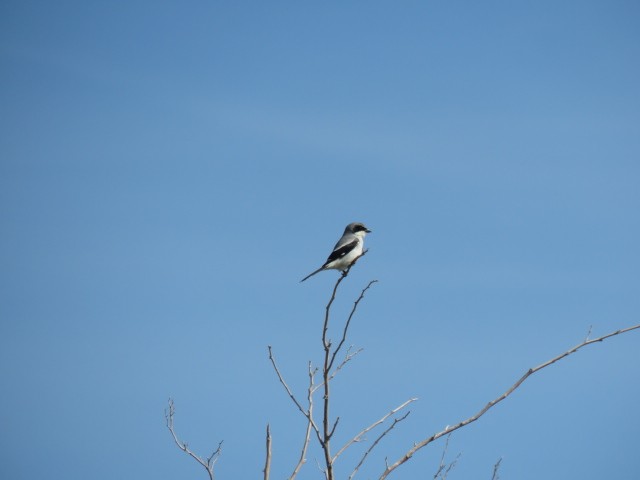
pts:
pixel 358 229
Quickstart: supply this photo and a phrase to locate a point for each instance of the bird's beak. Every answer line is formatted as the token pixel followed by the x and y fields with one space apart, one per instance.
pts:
pixel 368 231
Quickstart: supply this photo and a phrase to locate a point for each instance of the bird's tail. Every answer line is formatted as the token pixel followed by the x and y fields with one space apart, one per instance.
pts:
pixel 312 274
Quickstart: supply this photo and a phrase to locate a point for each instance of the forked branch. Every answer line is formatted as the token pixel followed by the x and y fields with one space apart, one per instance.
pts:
pixel 308 412
pixel 348 322
pixel 310 424
pixel 359 437
pixel 407 456
pixel 207 463
pixel 376 441
pixel 444 468
pixel 328 429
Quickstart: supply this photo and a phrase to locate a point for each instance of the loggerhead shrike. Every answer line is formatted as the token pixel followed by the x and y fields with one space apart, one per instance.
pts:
pixel 347 250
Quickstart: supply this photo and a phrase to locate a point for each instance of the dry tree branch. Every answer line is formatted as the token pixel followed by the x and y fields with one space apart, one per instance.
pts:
pixel 210 462
pixel 329 359
pixel 326 344
pixel 444 468
pixel 376 441
pixel 348 322
pixel 325 437
pixel 347 358
pixel 364 431
pixel 307 413
pixel 305 445
pixel 267 462
pixel 284 384
pixel 330 355
pixel 496 467
pixel 445 473
pixel 407 456
pixel 588 333
pixel 303 453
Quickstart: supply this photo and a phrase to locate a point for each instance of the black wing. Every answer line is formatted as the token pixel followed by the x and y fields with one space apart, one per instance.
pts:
pixel 341 252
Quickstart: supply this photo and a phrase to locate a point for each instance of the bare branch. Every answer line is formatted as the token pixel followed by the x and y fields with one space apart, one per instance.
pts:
pixel 326 434
pixel 407 456
pixel 451 466
pixel 215 455
pixel 333 297
pixel 496 467
pixel 363 432
pixel 305 445
pixel 326 345
pixel 210 462
pixel 303 454
pixel 442 464
pixel 307 414
pixel 321 469
pixel 284 384
pixel 329 358
pixel 588 333
pixel 267 463
pixel 346 326
pixel 444 468
pixel 376 441
pixel 347 358
pixel 335 424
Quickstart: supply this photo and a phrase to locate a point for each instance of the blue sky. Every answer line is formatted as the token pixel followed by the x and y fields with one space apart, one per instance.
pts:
pixel 170 170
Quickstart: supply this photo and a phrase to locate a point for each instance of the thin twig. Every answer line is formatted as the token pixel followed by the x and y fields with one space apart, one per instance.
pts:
pixel 210 462
pixel 305 445
pixel 496 467
pixel 307 414
pixel 364 431
pixel 329 358
pixel 326 345
pixel 407 456
pixel 346 326
pixel 450 467
pixel 588 333
pixel 326 433
pixel 444 468
pixel 320 468
pixel 267 463
pixel 284 384
pixel 376 441
pixel 333 297
pixel 348 357
pixel 442 464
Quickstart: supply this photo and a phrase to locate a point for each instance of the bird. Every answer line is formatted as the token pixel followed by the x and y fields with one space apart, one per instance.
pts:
pixel 348 249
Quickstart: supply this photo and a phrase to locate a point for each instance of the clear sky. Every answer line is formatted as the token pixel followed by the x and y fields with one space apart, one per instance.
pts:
pixel 169 171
